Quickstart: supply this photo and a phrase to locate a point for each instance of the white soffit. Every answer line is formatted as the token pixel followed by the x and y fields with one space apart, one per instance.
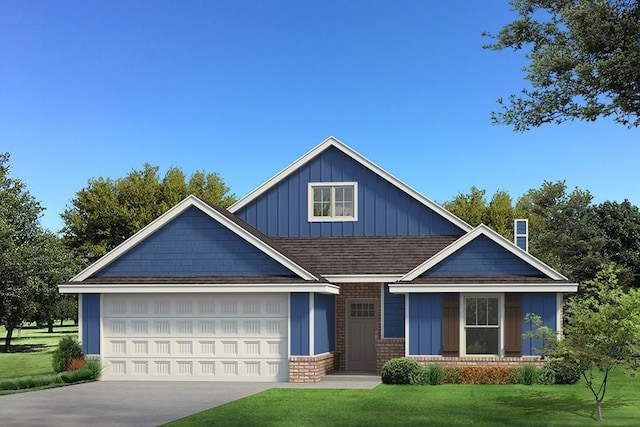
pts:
pixel 332 141
pixel 172 213
pixel 495 237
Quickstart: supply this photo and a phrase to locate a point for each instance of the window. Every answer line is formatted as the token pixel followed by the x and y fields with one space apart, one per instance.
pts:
pixel 333 201
pixel 482 325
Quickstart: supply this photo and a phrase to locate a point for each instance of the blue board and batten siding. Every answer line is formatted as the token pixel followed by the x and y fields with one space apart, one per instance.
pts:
pixel 324 321
pixel 393 314
pixel 90 338
pixel 383 209
pixel 425 324
pixel 194 244
pixel 545 306
pixel 482 256
pixel 299 320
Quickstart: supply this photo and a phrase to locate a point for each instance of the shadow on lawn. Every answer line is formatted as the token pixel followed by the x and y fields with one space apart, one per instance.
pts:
pixel 26 348
pixel 538 403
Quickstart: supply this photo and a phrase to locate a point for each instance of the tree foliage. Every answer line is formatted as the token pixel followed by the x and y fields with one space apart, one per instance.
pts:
pixel 32 262
pixel 583 61
pixel 108 211
pixel 602 332
pixel 473 208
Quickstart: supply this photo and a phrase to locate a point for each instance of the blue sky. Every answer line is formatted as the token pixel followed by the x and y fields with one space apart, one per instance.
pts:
pixel 243 88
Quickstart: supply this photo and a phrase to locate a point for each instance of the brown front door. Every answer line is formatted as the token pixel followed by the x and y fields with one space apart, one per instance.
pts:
pixel 361 335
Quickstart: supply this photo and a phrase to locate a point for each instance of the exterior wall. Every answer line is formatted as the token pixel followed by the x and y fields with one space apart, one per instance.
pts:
pixel 194 244
pixel 393 314
pixel 477 361
pixel 324 314
pixel 311 369
pixel 352 291
pixel 389 348
pixel 479 257
pixel 383 209
pixel 299 321
pixel 90 332
pixel 425 324
pixel 544 305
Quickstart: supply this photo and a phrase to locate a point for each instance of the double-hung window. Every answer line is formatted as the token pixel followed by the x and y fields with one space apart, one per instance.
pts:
pixel 333 201
pixel 482 325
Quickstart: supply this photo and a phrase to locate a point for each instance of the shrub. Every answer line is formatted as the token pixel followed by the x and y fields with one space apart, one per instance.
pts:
pixel 450 375
pixel 68 349
pixel 566 372
pixel 24 383
pixel 546 376
pixel 95 368
pixel 75 364
pixel 420 377
pixel 515 375
pixel 484 374
pixel 435 374
pixel 76 376
pixel 7 385
pixel 529 374
pixel 399 371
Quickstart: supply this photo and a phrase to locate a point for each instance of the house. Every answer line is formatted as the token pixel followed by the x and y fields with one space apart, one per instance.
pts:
pixel 332 264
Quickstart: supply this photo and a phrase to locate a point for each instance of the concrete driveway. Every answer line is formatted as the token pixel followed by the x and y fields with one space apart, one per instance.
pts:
pixel 119 403
pixel 142 403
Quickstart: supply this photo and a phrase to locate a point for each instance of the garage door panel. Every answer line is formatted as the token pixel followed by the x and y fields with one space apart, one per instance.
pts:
pixel 225 338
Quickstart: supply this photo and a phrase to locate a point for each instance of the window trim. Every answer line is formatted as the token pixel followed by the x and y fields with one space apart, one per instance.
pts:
pixel 332 185
pixel 463 329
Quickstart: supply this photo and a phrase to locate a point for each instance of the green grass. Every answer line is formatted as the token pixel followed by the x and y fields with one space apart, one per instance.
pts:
pixel 32 350
pixel 444 405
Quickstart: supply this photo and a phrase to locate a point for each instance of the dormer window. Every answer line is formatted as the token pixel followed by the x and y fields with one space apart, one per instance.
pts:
pixel 333 201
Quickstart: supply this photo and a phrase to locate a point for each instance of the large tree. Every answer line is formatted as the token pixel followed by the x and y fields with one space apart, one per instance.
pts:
pixel 474 209
pixel 108 211
pixel 583 61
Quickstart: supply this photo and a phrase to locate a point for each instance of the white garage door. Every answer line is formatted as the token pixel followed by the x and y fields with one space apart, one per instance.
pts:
pixel 202 337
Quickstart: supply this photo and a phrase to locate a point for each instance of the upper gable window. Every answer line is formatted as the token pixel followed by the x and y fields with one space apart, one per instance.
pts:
pixel 333 201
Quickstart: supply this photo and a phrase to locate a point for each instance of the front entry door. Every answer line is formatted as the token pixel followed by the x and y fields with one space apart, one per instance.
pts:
pixel 361 335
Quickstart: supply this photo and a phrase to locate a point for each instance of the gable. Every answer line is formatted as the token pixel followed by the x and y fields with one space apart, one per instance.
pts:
pixel 193 243
pixel 384 209
pixel 482 256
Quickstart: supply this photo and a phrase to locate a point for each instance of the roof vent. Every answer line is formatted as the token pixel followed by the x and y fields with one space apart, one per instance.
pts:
pixel 521 234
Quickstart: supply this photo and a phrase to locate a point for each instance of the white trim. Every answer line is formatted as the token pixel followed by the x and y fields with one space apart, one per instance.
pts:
pixel 173 213
pixel 312 324
pixel 80 322
pixel 102 347
pixel 362 278
pixel 382 311
pixel 288 329
pixel 332 186
pixel 483 287
pixel 125 288
pixel 559 325
pixel 495 237
pixel 332 141
pixel 406 323
pixel 463 324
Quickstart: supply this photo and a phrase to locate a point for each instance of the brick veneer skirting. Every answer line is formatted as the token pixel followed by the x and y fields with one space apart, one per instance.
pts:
pixel 310 369
pixel 477 361
pixel 389 348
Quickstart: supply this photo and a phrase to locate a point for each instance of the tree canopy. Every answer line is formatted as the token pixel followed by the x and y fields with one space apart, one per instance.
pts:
pixel 108 211
pixel 583 62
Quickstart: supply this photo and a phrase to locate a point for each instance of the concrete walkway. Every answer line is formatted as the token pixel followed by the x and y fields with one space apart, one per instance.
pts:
pixel 137 403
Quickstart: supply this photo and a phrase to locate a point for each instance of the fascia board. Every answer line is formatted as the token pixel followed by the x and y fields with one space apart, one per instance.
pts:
pixel 332 141
pixel 173 213
pixel 362 278
pixel 495 237
pixel 124 288
pixel 484 287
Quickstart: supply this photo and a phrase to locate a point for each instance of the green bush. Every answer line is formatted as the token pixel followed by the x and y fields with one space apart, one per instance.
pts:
pixel 515 375
pixel 566 372
pixel 450 375
pixel 529 374
pixel 399 371
pixel 7 385
pixel 546 376
pixel 68 349
pixel 95 368
pixel 76 376
pixel 420 377
pixel 435 374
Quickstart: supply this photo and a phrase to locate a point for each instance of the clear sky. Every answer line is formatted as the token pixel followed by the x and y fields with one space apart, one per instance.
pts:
pixel 243 88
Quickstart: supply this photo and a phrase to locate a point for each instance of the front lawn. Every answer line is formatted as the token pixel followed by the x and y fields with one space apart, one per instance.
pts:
pixel 32 350
pixel 444 405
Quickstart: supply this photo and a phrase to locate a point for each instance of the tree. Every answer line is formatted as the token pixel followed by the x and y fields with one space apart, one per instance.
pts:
pixel 108 211
pixel 470 207
pixel 602 332
pixel 620 224
pixel 583 61
pixel 473 208
pixel 499 215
